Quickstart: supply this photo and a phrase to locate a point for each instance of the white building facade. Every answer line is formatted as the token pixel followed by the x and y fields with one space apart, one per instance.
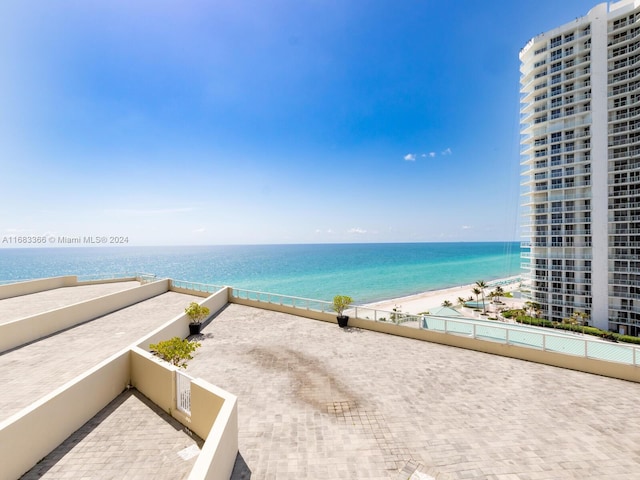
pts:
pixel 580 153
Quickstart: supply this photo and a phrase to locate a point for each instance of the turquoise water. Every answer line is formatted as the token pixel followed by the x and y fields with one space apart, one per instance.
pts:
pixel 366 272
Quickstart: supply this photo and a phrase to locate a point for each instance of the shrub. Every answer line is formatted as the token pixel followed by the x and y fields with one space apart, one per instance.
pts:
pixel 340 303
pixel 176 351
pixel 196 312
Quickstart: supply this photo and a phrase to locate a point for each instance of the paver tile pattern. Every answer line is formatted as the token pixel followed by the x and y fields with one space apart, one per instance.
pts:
pixel 319 402
pixel 130 438
pixel 23 306
pixel 29 372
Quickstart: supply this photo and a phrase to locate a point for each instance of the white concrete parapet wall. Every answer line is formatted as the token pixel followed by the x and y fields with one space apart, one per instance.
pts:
pixel 179 327
pixel 34 286
pixel 28 329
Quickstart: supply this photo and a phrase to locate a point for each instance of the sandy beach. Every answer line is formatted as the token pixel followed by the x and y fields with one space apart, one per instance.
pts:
pixel 426 301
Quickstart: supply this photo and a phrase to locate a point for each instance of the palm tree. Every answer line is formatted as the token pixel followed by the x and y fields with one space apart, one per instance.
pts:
pixel 481 284
pixel 447 303
pixel 532 307
pixel 580 318
pixel 498 292
pixel 461 301
pixel 476 291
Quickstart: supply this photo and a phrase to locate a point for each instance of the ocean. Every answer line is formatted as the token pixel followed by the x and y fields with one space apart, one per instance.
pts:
pixel 366 272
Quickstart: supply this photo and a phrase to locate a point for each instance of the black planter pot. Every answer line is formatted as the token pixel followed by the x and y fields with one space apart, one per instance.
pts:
pixel 194 328
pixel 342 320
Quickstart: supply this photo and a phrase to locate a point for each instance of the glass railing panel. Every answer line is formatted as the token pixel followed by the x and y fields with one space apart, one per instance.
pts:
pixel 611 352
pixel 525 338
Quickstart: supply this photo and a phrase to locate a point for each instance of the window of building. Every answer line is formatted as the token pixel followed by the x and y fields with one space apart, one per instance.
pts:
pixel 619 102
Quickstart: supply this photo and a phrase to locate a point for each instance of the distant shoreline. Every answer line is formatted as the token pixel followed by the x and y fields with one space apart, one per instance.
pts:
pixel 424 301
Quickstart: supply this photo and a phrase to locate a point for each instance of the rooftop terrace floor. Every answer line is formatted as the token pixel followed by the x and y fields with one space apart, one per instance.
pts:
pixel 319 402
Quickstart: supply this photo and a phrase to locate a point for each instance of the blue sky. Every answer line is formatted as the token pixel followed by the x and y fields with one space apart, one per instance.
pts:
pixel 224 122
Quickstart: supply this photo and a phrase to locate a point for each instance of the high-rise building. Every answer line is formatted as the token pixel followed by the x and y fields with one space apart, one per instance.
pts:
pixel 580 152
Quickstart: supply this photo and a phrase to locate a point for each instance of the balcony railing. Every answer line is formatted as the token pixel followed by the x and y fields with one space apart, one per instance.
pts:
pixel 509 334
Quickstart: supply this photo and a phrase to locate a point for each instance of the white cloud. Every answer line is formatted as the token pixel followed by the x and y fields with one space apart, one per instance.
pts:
pixel 467 227
pixel 447 152
pixel 200 230
pixel 410 157
pixel 432 154
pixel 357 230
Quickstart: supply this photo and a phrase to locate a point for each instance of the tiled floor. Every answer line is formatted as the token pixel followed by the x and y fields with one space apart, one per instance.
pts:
pixel 130 438
pixel 319 402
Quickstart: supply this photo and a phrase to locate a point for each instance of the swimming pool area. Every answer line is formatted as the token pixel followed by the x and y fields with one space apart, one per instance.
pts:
pixel 535 337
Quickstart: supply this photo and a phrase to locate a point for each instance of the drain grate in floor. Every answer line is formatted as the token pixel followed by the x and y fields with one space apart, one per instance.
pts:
pixel 340 408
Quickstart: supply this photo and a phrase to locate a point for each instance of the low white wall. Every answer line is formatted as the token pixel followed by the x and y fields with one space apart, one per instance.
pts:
pixel 107 280
pixel 24 330
pixel 218 455
pixel 31 434
pixel 179 326
pixel 34 286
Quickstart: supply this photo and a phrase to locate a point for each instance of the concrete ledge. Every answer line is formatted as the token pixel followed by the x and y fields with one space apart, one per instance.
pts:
pixel 34 286
pixel 25 330
pixel 179 326
pixel 107 280
pixel 218 408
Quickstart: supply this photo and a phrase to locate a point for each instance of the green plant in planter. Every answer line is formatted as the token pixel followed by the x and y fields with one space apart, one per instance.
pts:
pixel 196 312
pixel 176 351
pixel 340 304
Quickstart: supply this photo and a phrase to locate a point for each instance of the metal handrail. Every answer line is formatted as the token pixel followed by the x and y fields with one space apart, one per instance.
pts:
pixel 509 334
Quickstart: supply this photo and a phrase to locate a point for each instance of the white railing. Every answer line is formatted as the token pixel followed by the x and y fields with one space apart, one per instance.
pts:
pixel 195 286
pixel 183 392
pixel 356 311
pixel 140 276
pixel 488 330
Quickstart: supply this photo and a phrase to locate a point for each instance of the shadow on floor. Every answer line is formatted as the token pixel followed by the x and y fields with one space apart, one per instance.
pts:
pixel 241 470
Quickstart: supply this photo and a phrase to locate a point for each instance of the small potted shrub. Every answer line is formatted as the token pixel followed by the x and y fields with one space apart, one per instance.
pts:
pixel 176 351
pixel 196 313
pixel 340 303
